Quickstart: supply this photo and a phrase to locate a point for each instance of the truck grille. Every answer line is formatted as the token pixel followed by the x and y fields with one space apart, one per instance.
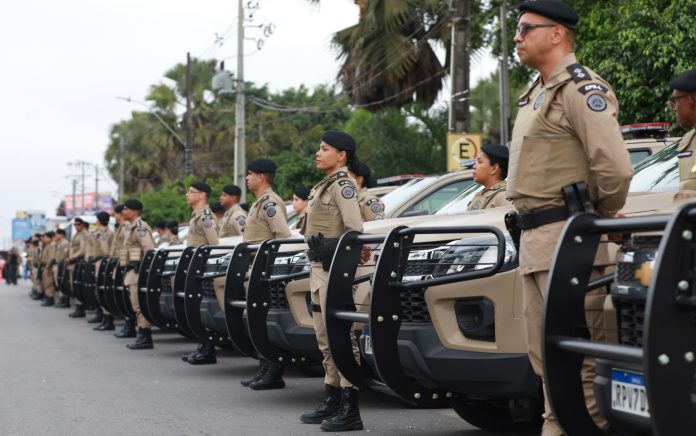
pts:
pixel 413 306
pixel 166 285
pixel 631 317
pixel 626 273
pixel 419 268
pixel 208 289
pixel 279 299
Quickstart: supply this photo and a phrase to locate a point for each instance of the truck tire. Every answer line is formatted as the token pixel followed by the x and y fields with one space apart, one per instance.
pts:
pixel 498 416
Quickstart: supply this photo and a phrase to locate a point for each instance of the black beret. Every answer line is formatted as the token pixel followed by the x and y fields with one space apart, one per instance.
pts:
pixel 232 190
pixel 172 225
pixel 262 166
pixel 203 187
pixel 497 151
pixel 339 140
pixel 79 220
pixel 103 218
pixel 60 232
pixel 133 204
pixel 118 208
pixel 50 234
pixel 685 81
pixel 303 192
pixel 553 10
pixel 216 207
pixel 160 224
pixel 363 170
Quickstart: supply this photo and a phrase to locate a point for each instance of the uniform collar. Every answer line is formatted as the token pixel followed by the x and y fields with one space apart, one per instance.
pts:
pixel 559 72
pixel 343 169
pixel 198 211
pixel 686 140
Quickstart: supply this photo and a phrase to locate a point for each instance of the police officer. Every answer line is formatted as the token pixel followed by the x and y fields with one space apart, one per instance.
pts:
pixel 61 252
pixel 78 247
pixel 219 212
pixel 300 200
pixel 267 219
pixel 138 240
pixel 161 228
pixel 172 233
pixel 490 171
pixel 115 253
pixel 683 102
pixel 47 260
pixel 202 231
pixel 102 238
pixel 566 132
pixel 371 207
pixel 234 220
pixel 34 259
pixel 333 210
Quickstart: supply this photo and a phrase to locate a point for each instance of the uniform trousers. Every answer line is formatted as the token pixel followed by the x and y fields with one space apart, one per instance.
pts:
pixel 47 283
pixel 318 281
pixel 534 288
pixel 131 281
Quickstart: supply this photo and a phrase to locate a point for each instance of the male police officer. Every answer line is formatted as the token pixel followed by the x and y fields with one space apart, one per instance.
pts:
pixel 138 240
pixel 47 260
pixel 565 133
pixel 234 220
pixel 490 171
pixel 116 252
pixel 61 252
pixel 267 219
pixel 683 102
pixel 78 247
pixel 100 246
pixel 202 231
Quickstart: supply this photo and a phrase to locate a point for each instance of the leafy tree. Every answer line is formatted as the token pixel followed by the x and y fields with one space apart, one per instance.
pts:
pixel 485 107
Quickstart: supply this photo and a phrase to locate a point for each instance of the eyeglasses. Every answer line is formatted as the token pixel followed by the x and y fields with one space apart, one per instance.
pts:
pixel 193 192
pixel 522 29
pixel 672 101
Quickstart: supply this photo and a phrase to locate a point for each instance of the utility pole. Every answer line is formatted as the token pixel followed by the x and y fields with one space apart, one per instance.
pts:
pixel 239 143
pixel 503 77
pixel 82 206
pixel 188 161
pixel 96 188
pixel 459 67
pixel 122 156
pixel 74 193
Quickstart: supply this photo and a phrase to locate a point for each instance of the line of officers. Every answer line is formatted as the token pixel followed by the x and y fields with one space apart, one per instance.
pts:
pixel 342 193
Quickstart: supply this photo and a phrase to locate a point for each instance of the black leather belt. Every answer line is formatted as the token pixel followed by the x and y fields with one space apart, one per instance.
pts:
pixel 532 220
pixel 316 308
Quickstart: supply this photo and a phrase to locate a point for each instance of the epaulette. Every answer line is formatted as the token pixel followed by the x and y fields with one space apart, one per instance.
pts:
pixel 578 73
pixel 584 89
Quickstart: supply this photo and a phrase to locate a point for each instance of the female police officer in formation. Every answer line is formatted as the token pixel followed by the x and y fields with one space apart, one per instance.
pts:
pixel 333 210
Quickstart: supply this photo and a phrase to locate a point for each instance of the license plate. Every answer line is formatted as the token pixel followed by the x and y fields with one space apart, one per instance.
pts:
pixel 628 393
pixel 368 341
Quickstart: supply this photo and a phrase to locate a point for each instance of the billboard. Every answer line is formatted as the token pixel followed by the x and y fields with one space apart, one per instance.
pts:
pixel 92 203
pixel 28 222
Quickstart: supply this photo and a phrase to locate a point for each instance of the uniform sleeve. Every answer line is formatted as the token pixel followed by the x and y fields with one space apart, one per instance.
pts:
pixel 593 117
pixel 210 229
pixel 346 197
pixel 499 200
pixel 238 222
pixel 275 219
pixel 145 240
pixel 373 209
pixel 82 246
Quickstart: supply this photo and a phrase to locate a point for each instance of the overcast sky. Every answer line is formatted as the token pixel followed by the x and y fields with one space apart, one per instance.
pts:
pixel 64 62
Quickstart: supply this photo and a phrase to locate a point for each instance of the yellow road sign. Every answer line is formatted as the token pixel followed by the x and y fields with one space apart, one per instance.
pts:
pixel 462 149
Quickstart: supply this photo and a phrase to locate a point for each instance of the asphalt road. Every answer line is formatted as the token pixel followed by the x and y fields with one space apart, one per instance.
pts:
pixel 58 377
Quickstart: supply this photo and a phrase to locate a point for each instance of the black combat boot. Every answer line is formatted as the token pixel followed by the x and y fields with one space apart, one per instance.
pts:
pixel 263 367
pixel 32 293
pixel 348 416
pixel 272 379
pixel 326 409
pixel 207 356
pixel 143 341
pixel 128 329
pixel 38 296
pixel 97 318
pixel 63 302
pixel 49 301
pixel 106 324
pixel 192 354
pixel 79 311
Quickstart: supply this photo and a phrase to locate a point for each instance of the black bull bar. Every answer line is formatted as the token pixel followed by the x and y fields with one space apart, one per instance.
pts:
pixel 385 312
pixel 669 339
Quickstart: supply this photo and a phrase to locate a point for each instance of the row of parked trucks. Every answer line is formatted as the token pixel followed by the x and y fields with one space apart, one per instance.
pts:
pixel 438 306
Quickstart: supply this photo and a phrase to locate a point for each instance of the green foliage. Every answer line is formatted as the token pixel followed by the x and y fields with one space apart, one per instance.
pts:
pixel 294 171
pixel 485 107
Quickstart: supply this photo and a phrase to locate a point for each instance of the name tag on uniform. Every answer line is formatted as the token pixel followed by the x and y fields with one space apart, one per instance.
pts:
pixel 685 154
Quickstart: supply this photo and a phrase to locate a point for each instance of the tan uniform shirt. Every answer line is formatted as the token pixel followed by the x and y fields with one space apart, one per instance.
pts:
pixel 490 197
pixel 103 238
pixel 137 241
pixel 78 244
pixel 333 207
pixel 687 162
pixel 267 219
pixel 49 254
pixel 202 228
pixel 61 250
pixel 32 255
pixel 233 222
pixel 371 207
pixel 566 131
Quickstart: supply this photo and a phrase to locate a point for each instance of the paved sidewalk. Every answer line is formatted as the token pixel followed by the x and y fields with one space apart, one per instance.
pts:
pixel 58 377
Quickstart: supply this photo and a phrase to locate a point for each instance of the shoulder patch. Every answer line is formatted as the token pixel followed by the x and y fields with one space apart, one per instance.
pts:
pixel 142 232
pixel 596 102
pixel 207 220
pixel 348 192
pixel 593 87
pixel 523 102
pixel 341 174
pixel 578 73
pixel 375 207
pixel 242 222
pixel 539 100
pixel 345 182
pixel 269 204
pixel 378 217
pixel 270 211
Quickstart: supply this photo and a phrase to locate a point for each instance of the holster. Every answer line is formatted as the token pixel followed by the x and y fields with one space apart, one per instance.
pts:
pixel 577 199
pixel 321 249
pixel 513 229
